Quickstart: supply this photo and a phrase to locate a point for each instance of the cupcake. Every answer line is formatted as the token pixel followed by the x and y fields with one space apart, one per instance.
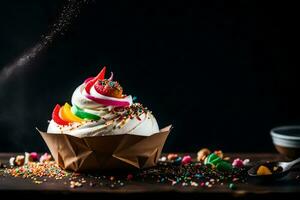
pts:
pixel 102 128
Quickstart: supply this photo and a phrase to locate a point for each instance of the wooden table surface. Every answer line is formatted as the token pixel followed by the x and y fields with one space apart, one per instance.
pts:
pixel 288 186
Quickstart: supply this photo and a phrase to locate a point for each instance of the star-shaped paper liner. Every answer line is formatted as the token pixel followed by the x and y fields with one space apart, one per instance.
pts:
pixel 106 152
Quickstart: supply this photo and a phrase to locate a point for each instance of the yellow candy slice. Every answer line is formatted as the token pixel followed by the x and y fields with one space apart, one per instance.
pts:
pixel 263 170
pixel 67 115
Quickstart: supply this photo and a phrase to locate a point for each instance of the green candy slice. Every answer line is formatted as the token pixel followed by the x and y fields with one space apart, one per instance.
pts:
pixel 82 114
pixel 212 159
pixel 216 161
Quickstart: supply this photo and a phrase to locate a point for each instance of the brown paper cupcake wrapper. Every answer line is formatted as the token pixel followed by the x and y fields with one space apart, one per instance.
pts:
pixel 106 152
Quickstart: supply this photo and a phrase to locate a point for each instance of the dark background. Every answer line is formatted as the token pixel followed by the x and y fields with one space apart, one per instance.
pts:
pixel 223 73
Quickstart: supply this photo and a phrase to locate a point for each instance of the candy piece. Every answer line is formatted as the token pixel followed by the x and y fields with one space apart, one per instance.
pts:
pixel 67 114
pixel 186 160
pixel 129 177
pixel 194 184
pixel 206 161
pixel 163 159
pixel 177 161
pixel 109 88
pixel 88 79
pixel 82 114
pixel 57 118
pixel 226 158
pixel 20 159
pixel 101 74
pixel 219 153
pixel 246 162
pixel 172 156
pixel 12 161
pixel 34 156
pixel 30 157
pixel 27 155
pixel 224 166
pixel 45 158
pixel 91 82
pixel 237 163
pixel 263 170
pixel 215 161
pixel 212 159
pixel 202 154
pixel 232 186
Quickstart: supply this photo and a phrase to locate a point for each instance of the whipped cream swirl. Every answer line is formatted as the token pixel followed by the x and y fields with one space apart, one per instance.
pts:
pixel 100 108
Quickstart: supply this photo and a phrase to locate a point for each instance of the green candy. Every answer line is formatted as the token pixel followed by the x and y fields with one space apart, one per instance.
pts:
pixel 224 166
pixel 221 165
pixel 206 161
pixel 216 161
pixel 232 186
pixel 212 159
pixel 82 114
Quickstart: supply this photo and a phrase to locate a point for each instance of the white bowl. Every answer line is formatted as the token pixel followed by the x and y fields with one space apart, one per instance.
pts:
pixel 287 140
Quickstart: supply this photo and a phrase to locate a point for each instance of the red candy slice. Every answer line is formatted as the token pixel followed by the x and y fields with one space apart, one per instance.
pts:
pixel 56 117
pixel 100 76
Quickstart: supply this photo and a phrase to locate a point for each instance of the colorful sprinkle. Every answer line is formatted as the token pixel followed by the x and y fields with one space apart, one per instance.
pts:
pixel 172 172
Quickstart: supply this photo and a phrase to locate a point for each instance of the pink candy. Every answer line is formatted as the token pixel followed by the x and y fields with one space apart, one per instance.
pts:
pixel 45 157
pixel 33 156
pixel 129 177
pixel 186 160
pixel 238 163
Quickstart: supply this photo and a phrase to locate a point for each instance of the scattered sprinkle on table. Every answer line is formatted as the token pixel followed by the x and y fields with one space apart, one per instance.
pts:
pixel 172 170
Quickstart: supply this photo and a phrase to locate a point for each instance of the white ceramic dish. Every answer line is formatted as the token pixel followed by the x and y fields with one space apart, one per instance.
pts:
pixel 287 140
